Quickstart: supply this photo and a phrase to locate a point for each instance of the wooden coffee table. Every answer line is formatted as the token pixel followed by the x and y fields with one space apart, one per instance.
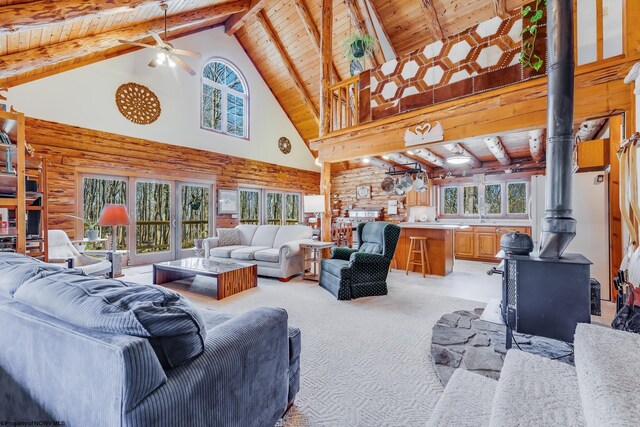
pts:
pixel 232 277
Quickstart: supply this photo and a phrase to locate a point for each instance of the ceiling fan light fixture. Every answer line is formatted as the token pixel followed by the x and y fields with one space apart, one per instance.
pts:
pixel 458 160
pixel 366 160
pixel 172 64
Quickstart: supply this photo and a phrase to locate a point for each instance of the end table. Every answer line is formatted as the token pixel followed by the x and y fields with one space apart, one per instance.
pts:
pixel 312 258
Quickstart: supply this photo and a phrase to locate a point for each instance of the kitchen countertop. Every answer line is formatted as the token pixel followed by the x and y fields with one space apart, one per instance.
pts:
pixel 434 225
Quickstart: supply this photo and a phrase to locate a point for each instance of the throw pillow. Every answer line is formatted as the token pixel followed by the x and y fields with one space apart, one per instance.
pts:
pixel 228 237
pixel 174 327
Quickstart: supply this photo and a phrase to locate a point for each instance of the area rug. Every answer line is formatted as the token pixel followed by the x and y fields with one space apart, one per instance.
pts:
pixel 364 362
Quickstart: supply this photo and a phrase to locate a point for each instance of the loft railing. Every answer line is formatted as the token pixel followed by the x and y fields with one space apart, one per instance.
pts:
pixel 345 106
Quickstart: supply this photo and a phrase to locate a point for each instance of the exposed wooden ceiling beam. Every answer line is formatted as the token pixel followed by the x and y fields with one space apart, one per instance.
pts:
pixel 401 159
pixel 358 20
pixel 459 150
pixel 79 49
pixel 379 163
pixel 499 7
pixel 497 149
pixel 41 13
pixel 237 20
pixel 429 156
pixel 536 144
pixel 288 64
pixel 432 18
pixel 381 22
pixel 312 31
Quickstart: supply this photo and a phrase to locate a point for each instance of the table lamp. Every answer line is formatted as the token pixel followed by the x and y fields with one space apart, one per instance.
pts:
pixel 112 216
pixel 314 204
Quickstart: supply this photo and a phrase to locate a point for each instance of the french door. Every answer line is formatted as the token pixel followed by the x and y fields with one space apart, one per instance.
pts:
pixel 194 216
pixel 153 236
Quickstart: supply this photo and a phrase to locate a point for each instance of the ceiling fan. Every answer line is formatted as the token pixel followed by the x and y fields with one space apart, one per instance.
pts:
pixel 167 54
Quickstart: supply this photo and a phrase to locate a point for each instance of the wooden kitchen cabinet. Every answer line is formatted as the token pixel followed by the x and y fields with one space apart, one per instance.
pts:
pixel 464 244
pixel 415 198
pixel 485 242
pixel 482 242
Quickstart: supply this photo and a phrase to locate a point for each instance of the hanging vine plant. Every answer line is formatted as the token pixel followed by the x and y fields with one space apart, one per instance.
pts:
pixel 532 16
pixel 359 47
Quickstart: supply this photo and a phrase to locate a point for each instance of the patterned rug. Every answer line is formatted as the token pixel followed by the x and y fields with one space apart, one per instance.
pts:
pixel 364 362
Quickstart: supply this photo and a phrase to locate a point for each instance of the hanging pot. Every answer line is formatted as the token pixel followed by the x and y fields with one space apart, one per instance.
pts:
pixel 387 184
pixel 398 190
pixel 418 183
pixel 355 67
pixel 406 182
pixel 357 48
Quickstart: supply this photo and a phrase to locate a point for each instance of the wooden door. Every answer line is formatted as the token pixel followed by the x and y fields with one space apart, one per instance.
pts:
pixel 424 199
pixel 485 244
pixel 464 246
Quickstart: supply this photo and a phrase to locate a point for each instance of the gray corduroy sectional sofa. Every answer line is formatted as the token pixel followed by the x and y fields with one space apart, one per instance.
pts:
pixel 102 352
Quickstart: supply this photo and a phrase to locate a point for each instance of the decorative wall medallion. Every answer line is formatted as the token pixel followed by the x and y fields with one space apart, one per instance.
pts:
pixel 138 103
pixel 284 145
pixel 363 192
pixel 423 133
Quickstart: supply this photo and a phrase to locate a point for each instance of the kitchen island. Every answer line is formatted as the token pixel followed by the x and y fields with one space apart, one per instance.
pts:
pixel 440 247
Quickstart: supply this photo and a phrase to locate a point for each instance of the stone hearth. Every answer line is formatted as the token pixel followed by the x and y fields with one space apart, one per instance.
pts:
pixel 462 341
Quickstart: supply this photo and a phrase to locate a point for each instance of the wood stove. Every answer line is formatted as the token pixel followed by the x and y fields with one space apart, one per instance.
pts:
pixel 546 297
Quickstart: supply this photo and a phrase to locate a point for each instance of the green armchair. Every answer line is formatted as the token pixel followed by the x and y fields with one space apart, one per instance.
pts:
pixel 362 272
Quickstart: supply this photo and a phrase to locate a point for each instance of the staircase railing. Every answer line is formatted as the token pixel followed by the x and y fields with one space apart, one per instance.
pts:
pixel 345 106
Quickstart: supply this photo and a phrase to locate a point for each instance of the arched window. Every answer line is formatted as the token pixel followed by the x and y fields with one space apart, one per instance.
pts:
pixel 225 99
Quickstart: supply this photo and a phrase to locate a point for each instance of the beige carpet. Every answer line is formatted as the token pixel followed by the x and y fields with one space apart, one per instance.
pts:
pixel 364 362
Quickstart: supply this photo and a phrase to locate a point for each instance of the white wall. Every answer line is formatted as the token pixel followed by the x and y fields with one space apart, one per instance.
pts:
pixel 85 97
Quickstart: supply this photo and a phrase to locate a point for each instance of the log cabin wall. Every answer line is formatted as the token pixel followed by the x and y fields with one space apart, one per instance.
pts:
pixel 70 150
pixel 344 183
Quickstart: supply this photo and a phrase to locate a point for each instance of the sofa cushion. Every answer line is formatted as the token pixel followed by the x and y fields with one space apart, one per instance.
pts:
pixel 246 233
pixel 174 328
pixel 225 252
pixel 372 238
pixel 228 237
pixel 289 233
pixel 246 253
pixel 14 275
pixel 269 255
pixel 265 235
pixel 370 248
pixel 334 266
pixel 213 318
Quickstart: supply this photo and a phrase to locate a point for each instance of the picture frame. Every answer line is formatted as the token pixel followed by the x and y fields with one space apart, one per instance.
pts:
pixel 363 192
pixel 227 202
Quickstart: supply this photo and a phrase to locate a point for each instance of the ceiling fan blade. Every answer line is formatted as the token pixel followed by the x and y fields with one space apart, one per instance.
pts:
pixel 136 43
pixel 186 53
pixel 182 64
pixel 157 39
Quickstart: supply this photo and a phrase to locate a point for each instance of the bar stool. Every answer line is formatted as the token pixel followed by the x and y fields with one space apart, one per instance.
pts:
pixel 423 244
pixel 393 264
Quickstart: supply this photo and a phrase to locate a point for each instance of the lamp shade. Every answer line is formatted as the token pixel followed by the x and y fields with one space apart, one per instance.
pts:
pixel 314 204
pixel 114 215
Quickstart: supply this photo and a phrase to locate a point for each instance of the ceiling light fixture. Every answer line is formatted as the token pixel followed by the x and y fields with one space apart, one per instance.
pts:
pixel 385 156
pixel 410 153
pixel 458 160
pixel 366 160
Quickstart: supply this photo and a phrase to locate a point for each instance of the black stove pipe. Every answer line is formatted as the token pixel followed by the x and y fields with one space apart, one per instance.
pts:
pixel 558 226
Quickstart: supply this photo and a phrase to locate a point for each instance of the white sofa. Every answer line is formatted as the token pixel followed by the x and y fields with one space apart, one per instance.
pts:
pixel 274 248
pixel 601 390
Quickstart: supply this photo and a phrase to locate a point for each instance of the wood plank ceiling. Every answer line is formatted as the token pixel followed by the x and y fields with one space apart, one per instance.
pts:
pixel 43 37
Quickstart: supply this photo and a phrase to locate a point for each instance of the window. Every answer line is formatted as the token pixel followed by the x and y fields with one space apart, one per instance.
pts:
pixel 274 208
pixel 225 99
pixel 450 202
pixel 279 208
pixel 292 209
pixel 491 199
pixel 517 198
pixel 96 192
pixel 470 200
pixel 249 206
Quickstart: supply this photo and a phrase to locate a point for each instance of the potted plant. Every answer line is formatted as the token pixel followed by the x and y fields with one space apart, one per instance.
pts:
pixel 91 231
pixel 359 47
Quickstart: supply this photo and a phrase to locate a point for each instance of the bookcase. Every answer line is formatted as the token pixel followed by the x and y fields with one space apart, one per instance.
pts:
pixel 23 191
